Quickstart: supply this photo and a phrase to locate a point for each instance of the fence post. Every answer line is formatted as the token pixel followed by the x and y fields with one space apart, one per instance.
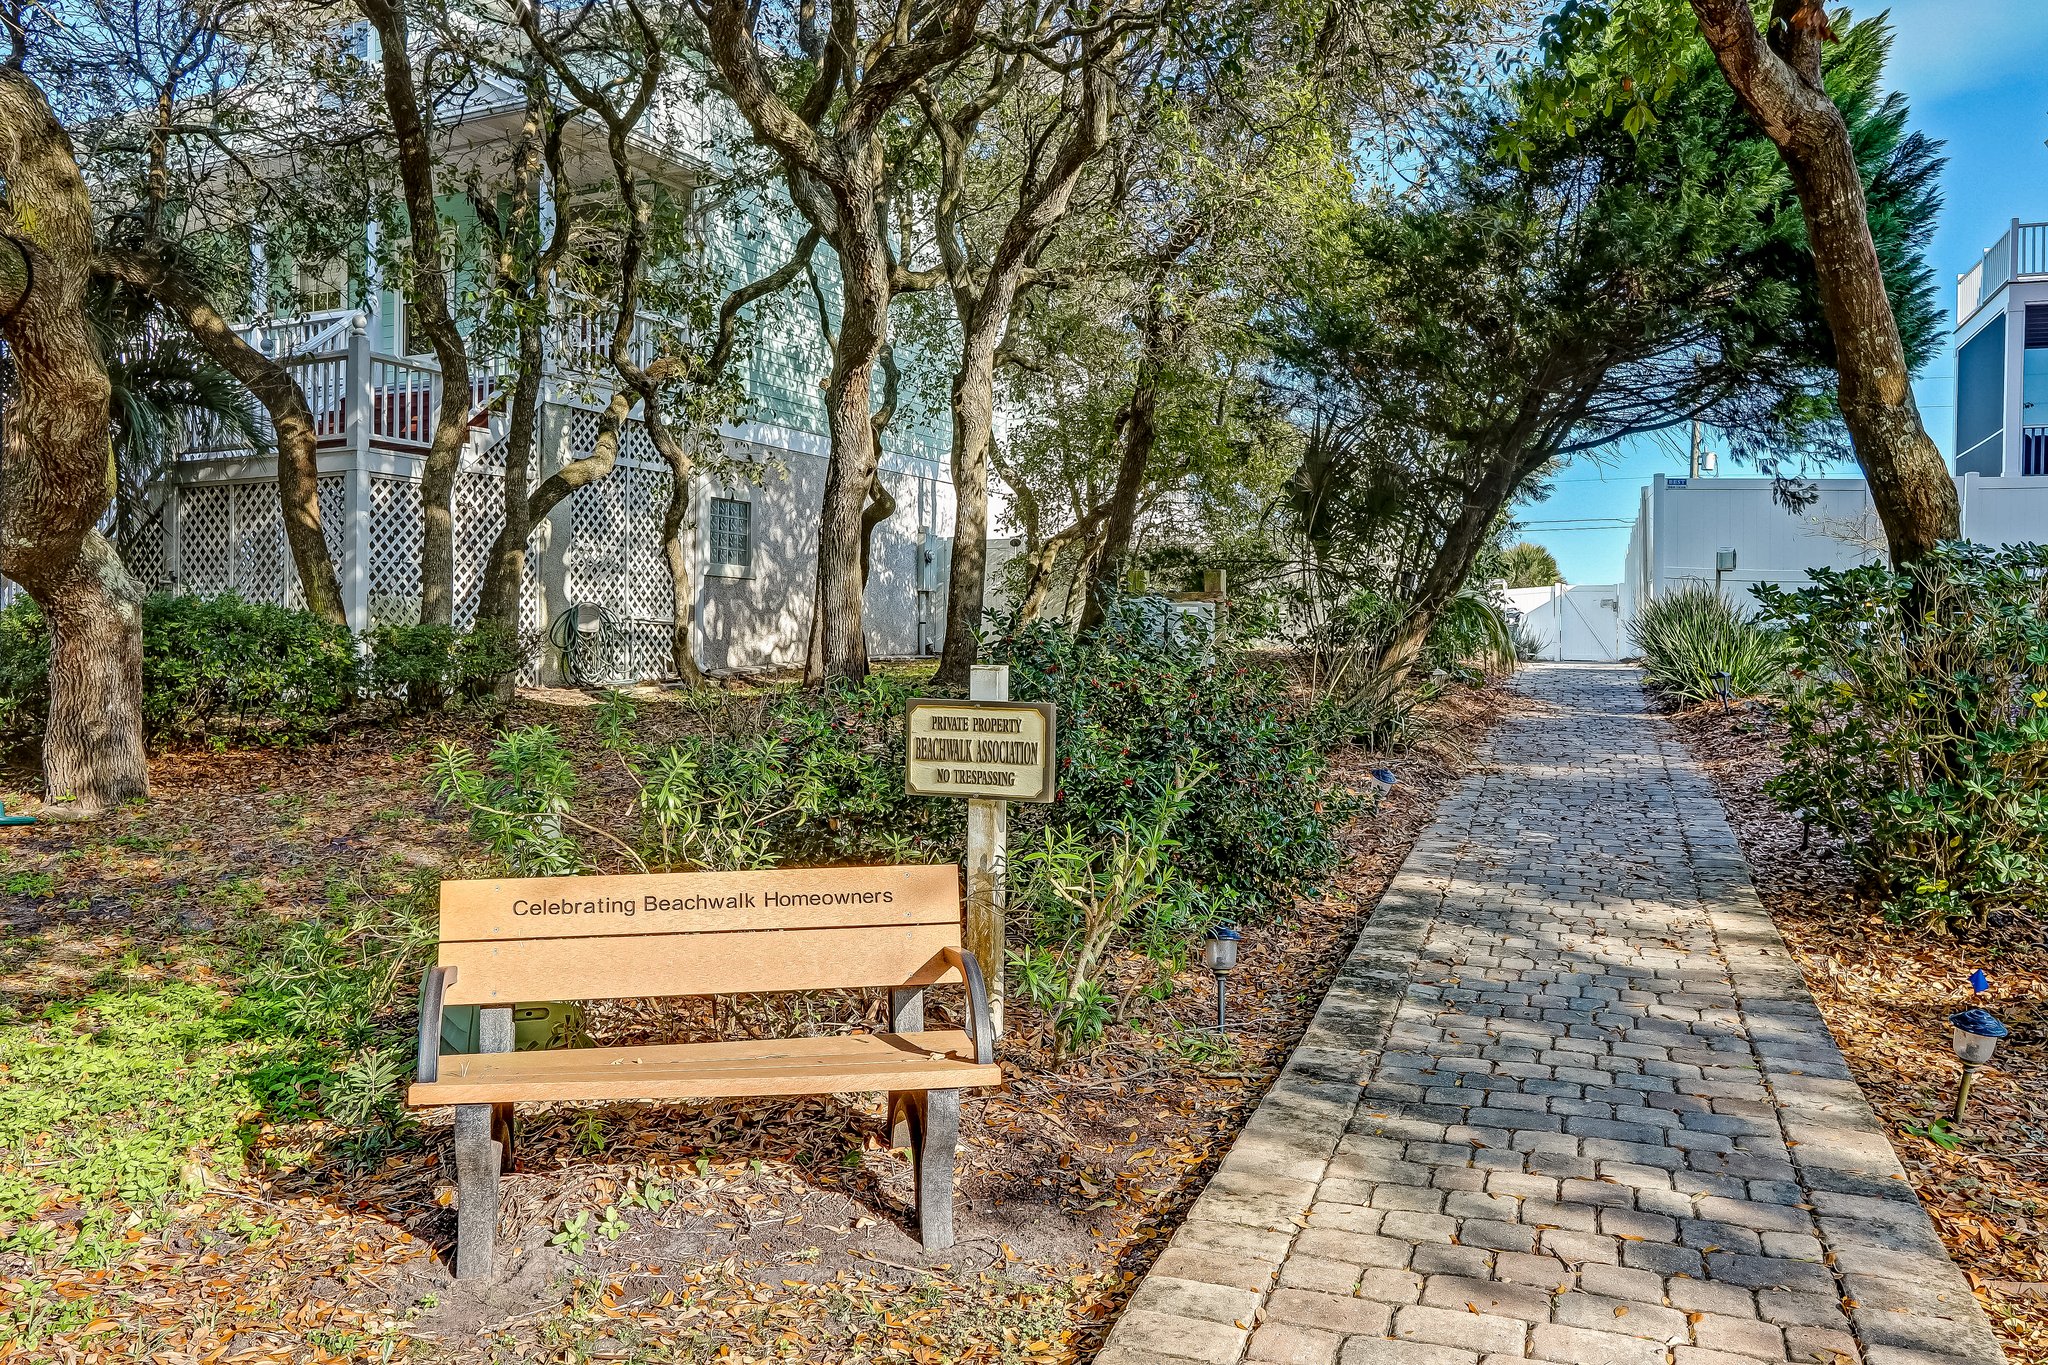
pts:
pixel 356 397
pixel 988 833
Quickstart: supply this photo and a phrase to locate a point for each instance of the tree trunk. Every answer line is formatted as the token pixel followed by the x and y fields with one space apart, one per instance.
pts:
pixel 426 304
pixel 277 389
pixel 675 517
pixel 881 505
pixel 56 467
pixel 984 316
pixel 973 434
pixel 1779 82
pixel 505 571
pixel 1445 576
pixel 1139 427
pixel 92 743
pixel 841 636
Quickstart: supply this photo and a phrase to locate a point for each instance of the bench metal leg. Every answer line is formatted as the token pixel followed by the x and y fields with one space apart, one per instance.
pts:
pixel 937 1137
pixel 501 1133
pixel 906 1015
pixel 478 1159
pixel 902 1118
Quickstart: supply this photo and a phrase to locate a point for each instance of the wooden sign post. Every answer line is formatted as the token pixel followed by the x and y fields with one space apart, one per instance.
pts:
pixel 992 751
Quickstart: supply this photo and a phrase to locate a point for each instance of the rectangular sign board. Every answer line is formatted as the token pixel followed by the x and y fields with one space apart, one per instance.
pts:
pixel 994 749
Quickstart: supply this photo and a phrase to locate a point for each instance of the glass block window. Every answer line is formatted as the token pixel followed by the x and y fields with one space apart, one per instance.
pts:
pixel 732 537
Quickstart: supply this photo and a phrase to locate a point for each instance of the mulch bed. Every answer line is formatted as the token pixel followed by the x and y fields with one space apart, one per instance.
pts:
pixel 1886 991
pixel 789 1234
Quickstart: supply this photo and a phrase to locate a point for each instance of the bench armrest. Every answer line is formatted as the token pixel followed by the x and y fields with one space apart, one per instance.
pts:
pixel 433 992
pixel 979 1030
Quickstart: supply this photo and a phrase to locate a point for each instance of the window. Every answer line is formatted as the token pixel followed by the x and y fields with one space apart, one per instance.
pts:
pixel 322 285
pixel 732 538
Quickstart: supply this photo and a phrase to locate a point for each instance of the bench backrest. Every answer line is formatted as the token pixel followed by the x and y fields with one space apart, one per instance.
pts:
pixel 698 933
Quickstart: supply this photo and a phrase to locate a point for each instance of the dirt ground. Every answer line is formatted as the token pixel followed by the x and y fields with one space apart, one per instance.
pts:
pixel 1886 991
pixel 747 1230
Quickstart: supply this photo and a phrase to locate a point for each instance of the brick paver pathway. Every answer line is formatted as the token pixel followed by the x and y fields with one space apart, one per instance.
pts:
pixel 1568 1100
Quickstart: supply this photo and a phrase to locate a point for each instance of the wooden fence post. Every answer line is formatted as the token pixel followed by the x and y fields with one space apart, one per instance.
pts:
pixel 988 832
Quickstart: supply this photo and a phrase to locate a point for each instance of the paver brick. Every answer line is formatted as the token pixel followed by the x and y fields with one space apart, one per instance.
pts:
pixel 1638 1319
pixel 1580 1346
pixel 1352 1248
pixel 1488 1296
pixel 1466 1330
pixel 1287 1344
pixel 1338 1313
pixel 1739 1336
pixel 1615 1282
pixel 1371 1351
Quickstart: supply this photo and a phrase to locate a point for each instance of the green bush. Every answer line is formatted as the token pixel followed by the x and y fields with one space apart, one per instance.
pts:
pixel 1917 725
pixel 214 662
pixel 1134 709
pixel 1690 636
pixel 208 664
pixel 812 777
pixel 213 665
pixel 426 667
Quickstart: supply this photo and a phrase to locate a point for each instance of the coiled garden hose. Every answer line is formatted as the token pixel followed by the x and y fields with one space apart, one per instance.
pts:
pixel 583 636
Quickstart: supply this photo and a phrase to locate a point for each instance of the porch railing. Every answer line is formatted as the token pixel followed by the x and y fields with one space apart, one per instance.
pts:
pixel 2034 452
pixel 362 398
pixel 2020 253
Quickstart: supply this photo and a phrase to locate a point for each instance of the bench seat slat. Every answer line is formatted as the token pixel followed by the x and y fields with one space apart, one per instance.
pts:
pixel 506 972
pixel 786 1066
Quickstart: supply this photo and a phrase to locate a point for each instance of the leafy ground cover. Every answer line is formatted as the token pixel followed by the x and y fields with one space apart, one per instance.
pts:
pixel 1886 990
pixel 205 1011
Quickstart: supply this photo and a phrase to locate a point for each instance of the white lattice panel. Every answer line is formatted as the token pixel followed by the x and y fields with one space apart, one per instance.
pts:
pixel 262 569
pixel 648 651
pixel 579 433
pixel 146 557
pixel 334 517
pixel 648 593
pixel 597 540
pixel 479 516
pixel 637 448
pixel 395 531
pixel 206 554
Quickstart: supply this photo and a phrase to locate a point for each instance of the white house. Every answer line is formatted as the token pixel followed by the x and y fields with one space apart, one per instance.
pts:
pixel 1732 534
pixel 373 390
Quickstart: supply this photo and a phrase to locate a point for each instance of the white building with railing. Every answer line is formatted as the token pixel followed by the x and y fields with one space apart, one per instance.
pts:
pixel 2002 358
pixel 215 523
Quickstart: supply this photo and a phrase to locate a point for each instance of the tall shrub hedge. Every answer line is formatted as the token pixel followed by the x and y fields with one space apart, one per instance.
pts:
pixel 224 664
pixel 1918 725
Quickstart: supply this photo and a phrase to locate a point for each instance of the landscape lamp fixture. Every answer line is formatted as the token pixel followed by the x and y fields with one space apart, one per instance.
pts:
pixel 1974 1034
pixel 1723 689
pixel 1219 955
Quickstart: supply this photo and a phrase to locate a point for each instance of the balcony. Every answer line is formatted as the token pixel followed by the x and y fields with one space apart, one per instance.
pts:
pixel 2022 253
pixel 363 399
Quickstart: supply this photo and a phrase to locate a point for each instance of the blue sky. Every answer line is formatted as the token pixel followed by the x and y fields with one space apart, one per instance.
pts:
pixel 1977 76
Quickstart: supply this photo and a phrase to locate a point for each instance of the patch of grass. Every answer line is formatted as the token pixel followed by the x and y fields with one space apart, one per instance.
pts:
pixel 30 883
pixel 163 1070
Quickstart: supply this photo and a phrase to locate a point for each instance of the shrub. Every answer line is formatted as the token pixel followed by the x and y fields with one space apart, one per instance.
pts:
pixel 1085 887
pixel 207 663
pixel 1918 725
pixel 817 777
pixel 1690 636
pixel 426 667
pixel 1135 708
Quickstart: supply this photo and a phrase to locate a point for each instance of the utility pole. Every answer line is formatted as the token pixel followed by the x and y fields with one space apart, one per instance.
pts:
pixel 1695 472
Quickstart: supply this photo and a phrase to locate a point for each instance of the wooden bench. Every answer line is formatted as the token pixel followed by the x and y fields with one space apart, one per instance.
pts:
pixel 614 938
